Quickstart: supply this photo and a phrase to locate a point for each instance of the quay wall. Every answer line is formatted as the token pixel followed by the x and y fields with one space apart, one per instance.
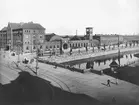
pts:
pixel 100 56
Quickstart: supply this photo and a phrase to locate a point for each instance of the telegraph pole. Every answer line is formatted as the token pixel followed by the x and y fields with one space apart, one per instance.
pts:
pixel 18 50
pixel 37 52
pixel 118 51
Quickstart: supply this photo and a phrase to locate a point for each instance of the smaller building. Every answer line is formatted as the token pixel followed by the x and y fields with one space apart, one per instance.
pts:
pixel 114 65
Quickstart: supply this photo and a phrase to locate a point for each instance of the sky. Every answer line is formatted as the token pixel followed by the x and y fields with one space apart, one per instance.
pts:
pixel 64 17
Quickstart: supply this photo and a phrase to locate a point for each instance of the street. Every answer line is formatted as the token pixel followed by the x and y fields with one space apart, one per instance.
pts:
pixel 90 84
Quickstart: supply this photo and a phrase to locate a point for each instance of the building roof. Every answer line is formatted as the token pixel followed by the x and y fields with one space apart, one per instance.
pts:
pixel 48 36
pixel 4 29
pixel 32 25
pixel 15 25
pixel 29 25
pixel 113 64
pixel 77 37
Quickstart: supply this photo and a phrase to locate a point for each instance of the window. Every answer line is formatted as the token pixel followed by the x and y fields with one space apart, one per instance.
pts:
pixel 50 46
pixel 78 44
pixel 40 36
pixel 40 47
pixel 46 47
pixel 34 47
pixel 27 48
pixel 54 46
pixel 57 46
pixel 81 44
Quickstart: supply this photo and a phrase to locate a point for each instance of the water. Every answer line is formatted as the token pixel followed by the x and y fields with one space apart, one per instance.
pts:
pixel 103 64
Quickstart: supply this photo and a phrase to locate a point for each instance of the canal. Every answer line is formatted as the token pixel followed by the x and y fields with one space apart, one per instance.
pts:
pixel 101 64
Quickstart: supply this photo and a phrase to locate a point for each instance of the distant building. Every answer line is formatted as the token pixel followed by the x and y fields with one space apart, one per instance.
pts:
pixel 108 39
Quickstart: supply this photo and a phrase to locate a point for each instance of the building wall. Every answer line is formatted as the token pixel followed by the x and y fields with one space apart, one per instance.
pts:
pixel 10 36
pixel 3 39
pixel 32 38
pixel 17 36
pixel 108 39
pixel 78 43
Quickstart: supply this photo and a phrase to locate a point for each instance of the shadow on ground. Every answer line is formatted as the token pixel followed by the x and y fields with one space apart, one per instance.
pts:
pixel 31 90
pixel 127 73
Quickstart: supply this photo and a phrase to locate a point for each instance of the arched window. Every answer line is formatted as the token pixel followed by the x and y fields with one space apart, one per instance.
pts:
pixel 76 45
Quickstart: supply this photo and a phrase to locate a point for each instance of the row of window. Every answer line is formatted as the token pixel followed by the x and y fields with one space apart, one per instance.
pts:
pixel 34 31
pixel 79 44
pixel 41 41
pixel 50 47
pixel 27 36
pixel 54 46
pixel 27 48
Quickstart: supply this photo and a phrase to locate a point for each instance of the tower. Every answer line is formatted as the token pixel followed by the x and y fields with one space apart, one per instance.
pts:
pixel 89 33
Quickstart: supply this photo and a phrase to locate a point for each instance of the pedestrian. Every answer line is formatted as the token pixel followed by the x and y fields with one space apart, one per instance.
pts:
pixel 113 100
pixel 108 82
pixel 116 81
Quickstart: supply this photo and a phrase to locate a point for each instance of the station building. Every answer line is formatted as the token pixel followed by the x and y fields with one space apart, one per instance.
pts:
pixel 27 37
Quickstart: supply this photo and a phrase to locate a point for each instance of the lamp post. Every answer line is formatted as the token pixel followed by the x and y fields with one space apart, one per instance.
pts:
pixel 9 44
pixel 37 42
pixel 118 51
pixel 18 50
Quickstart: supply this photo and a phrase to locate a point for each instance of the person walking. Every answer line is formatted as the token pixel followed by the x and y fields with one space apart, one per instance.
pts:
pixel 116 81
pixel 113 100
pixel 108 83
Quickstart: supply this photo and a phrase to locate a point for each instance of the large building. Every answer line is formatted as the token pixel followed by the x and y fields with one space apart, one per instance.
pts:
pixel 109 39
pixel 23 36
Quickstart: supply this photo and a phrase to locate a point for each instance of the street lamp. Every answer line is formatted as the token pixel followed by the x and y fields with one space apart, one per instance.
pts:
pixel 118 51
pixel 37 42
pixel 9 44
pixel 18 50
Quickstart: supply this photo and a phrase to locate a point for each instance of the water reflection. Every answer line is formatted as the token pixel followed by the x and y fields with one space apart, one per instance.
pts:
pixel 103 64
